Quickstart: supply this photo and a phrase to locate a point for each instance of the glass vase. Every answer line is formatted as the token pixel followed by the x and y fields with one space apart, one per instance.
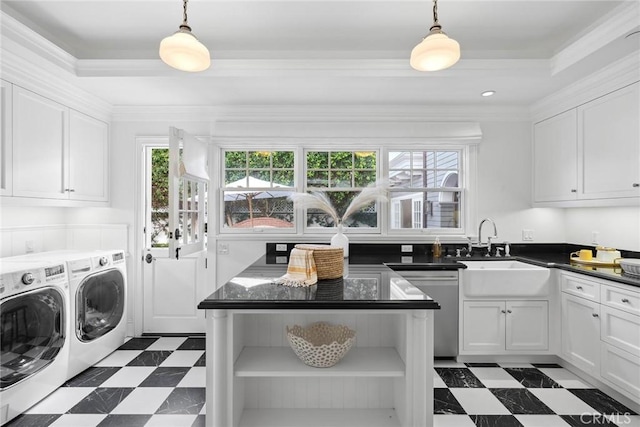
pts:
pixel 340 240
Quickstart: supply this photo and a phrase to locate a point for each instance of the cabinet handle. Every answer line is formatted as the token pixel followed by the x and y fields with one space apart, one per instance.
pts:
pixel 595 314
pixel 636 185
pixel 579 288
pixel 502 311
pixel 573 190
pixel 71 190
pixel 508 311
pixel 625 300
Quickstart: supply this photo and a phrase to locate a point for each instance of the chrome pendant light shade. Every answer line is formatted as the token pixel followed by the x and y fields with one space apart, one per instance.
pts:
pixel 436 51
pixel 183 51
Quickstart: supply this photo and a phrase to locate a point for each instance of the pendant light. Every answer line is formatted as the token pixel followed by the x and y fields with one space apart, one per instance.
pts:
pixel 182 50
pixel 436 51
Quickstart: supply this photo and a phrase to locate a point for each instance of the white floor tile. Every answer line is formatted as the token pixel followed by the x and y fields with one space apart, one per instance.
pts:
pixel 61 400
pixel 77 420
pixel 541 421
pixel 495 378
pixel 118 358
pixel 196 377
pixel 167 343
pixel 129 376
pixel 171 421
pixel 144 400
pixel 625 420
pixel 479 401
pixel 182 358
pixel 562 401
pixel 203 411
pixel 448 364
pixel 452 421
pixel 565 378
pixel 437 381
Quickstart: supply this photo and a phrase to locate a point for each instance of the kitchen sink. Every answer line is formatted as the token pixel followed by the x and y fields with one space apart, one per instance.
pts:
pixel 504 279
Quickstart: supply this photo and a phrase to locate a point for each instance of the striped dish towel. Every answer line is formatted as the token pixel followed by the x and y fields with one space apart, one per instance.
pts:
pixel 301 270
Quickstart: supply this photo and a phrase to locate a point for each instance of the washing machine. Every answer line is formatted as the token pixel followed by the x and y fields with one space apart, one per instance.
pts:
pixel 35 340
pixel 98 289
pixel 98 302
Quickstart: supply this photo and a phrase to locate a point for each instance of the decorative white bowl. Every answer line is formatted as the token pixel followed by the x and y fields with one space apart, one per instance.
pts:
pixel 630 266
pixel 320 345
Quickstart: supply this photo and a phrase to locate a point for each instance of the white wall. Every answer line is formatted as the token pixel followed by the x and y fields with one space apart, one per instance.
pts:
pixel 617 227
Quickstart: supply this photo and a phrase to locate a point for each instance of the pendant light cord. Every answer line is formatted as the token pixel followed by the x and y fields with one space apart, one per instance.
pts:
pixel 184 24
pixel 435 12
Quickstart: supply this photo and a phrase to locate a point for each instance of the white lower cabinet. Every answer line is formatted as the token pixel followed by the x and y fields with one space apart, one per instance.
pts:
pixel 581 332
pixel 502 326
pixel 601 331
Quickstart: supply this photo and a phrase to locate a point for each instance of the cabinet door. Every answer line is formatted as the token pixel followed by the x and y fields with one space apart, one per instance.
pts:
pixel 6 138
pixel 555 148
pixel 581 332
pixel 622 369
pixel 610 133
pixel 527 325
pixel 88 158
pixel 40 137
pixel 483 325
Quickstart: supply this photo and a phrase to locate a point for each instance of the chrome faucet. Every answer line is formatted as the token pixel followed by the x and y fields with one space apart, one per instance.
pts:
pixel 488 244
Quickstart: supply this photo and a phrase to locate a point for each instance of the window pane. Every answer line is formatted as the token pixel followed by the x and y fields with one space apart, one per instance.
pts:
pixel 341 160
pixel 367 217
pixel 418 159
pixel 317 160
pixel 283 177
pixel 268 209
pixel 365 160
pixel 447 160
pixel 399 178
pixel 341 179
pixel 259 159
pixel 283 159
pixel 437 209
pixel 235 159
pixel 160 224
pixel 317 179
pixel 239 178
pixel 263 177
pixel 364 178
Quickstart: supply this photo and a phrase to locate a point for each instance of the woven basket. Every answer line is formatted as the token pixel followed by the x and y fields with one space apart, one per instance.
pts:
pixel 320 345
pixel 329 260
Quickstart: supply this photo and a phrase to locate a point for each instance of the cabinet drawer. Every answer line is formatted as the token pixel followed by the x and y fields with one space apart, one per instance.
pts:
pixel 621 368
pixel 581 287
pixel 623 299
pixel 620 329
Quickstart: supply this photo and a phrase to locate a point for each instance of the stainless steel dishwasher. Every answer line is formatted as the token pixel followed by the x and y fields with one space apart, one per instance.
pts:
pixel 442 286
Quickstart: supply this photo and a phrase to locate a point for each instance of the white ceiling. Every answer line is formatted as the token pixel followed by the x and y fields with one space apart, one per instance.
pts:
pixel 297 52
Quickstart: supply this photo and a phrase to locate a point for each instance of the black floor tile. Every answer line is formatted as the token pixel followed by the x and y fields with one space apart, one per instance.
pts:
pixel 459 377
pixel 150 358
pixel 138 344
pixel 92 377
pixel 520 401
pixel 33 420
pixel 193 344
pixel 532 378
pixel 124 421
pixel 101 401
pixel 601 402
pixel 495 421
pixel 202 360
pixel 183 400
pixel 444 402
pixel 165 377
pixel 199 421
pixel 586 420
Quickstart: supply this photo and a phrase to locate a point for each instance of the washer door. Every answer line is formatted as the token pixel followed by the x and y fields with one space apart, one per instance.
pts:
pixel 32 333
pixel 100 304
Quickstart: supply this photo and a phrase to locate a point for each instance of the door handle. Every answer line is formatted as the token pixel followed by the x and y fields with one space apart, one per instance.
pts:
pixel 149 258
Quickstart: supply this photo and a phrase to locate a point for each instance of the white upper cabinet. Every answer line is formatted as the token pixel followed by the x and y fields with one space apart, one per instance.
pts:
pixel 6 136
pixel 609 128
pixel 589 155
pixel 40 136
pixel 58 153
pixel 88 158
pixel 555 163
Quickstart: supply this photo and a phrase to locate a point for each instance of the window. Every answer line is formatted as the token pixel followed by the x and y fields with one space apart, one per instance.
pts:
pixel 341 175
pixel 256 185
pixel 424 188
pixel 157 189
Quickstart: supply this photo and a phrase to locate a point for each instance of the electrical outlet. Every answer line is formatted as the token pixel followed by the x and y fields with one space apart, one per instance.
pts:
pixel 406 260
pixel 595 235
pixel 223 249
pixel 527 235
pixel 406 248
pixel 281 247
pixel 29 246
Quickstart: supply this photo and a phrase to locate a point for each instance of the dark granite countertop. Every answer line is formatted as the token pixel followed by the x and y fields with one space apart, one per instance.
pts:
pixel 363 287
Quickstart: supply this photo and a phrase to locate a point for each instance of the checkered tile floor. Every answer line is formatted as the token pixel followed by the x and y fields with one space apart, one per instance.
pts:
pixel 161 382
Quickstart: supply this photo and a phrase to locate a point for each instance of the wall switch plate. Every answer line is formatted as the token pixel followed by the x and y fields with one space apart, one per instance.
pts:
pixel 527 235
pixel 281 260
pixel 406 248
pixel 281 247
pixel 29 246
pixel 223 249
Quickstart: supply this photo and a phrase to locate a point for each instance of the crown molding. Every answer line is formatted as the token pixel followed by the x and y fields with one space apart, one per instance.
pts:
pixel 615 76
pixel 618 23
pixel 389 113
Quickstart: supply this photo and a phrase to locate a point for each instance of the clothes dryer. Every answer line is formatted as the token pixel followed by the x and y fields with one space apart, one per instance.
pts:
pixel 35 342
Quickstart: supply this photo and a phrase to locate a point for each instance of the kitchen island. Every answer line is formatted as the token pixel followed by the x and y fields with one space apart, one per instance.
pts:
pixel 255 379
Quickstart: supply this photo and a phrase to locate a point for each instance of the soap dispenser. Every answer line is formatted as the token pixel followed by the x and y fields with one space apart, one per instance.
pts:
pixel 437 248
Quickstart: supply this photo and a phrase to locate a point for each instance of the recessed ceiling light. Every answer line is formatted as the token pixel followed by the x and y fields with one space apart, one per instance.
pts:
pixel 488 93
